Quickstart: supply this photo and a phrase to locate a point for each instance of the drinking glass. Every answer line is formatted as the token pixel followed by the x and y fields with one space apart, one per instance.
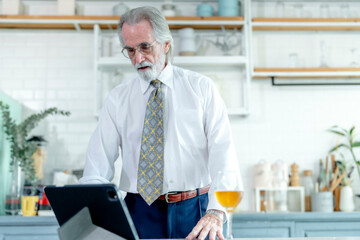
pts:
pixel 228 193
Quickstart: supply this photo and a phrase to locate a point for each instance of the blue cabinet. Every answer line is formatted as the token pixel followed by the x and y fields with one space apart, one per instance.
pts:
pixel 267 225
pixel 245 225
pixel 28 228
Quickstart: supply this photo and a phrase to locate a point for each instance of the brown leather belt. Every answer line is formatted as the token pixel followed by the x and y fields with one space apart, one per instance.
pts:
pixel 173 197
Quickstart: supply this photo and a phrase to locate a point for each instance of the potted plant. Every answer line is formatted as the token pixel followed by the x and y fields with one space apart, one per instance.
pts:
pixel 347 142
pixel 21 150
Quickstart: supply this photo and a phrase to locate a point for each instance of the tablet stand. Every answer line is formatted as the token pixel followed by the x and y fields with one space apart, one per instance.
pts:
pixel 81 227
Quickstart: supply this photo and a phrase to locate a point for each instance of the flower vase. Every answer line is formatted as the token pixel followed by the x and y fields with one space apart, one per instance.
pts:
pixel 13 196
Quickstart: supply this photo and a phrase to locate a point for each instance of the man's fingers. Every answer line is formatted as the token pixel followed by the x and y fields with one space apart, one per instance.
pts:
pixel 212 234
pixel 208 225
pixel 205 231
pixel 220 234
pixel 195 231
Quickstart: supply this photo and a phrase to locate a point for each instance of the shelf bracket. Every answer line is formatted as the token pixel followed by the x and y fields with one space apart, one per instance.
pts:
pixel 77 26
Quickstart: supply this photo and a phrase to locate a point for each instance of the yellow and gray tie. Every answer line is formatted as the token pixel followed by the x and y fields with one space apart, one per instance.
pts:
pixel 151 163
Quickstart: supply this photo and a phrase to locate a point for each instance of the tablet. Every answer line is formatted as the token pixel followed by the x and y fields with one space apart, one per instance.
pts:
pixel 107 209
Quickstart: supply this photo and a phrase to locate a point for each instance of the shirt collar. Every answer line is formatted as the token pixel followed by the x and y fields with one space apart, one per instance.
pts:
pixel 166 77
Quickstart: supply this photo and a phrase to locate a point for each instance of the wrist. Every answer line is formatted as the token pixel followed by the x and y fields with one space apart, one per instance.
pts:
pixel 218 213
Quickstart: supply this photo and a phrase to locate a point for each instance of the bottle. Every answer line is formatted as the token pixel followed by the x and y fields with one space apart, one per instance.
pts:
pixel 308 185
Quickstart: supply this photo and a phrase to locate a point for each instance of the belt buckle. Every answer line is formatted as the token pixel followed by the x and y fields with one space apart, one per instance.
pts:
pixel 167 196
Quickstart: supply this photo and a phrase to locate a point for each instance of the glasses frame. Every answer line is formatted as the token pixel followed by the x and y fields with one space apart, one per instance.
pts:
pixel 138 48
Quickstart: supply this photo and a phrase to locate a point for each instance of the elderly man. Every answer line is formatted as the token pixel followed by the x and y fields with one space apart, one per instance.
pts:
pixel 174 133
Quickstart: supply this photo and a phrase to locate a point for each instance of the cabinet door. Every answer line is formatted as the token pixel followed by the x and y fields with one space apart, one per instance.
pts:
pixel 29 232
pixel 263 229
pixel 326 229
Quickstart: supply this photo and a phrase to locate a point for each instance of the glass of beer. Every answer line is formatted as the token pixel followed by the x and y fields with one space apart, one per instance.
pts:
pixel 228 192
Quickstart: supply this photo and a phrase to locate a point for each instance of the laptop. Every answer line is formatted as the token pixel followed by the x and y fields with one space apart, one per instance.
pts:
pixel 107 209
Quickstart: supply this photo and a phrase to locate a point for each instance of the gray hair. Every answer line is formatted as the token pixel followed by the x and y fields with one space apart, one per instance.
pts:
pixel 161 29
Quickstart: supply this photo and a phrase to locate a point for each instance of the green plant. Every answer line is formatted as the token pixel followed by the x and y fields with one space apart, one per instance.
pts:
pixel 349 141
pixel 22 150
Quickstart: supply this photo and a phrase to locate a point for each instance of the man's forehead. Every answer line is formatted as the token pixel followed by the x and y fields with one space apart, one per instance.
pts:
pixel 137 33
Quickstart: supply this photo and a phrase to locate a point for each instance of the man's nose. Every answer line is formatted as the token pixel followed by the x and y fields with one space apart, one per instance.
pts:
pixel 139 57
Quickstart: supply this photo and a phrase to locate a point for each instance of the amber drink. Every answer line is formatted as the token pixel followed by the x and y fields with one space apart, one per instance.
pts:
pixel 228 192
pixel 229 199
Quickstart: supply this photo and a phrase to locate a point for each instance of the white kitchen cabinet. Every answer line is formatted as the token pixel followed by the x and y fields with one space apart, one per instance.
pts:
pixel 231 74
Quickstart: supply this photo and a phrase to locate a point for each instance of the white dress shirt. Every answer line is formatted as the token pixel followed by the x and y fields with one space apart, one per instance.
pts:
pixel 198 141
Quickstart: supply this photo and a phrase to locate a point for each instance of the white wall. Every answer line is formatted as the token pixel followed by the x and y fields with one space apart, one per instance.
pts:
pixel 55 68
pixel 45 69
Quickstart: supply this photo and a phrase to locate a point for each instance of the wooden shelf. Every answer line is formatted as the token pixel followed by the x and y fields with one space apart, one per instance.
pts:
pixel 307 72
pixel 306 24
pixel 184 61
pixel 300 20
pixel 107 22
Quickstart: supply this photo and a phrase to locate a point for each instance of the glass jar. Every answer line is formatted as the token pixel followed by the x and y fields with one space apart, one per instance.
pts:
pixel 168 10
pixel 308 184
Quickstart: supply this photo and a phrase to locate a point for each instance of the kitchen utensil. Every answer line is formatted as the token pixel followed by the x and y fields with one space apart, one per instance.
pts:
pixel 333 163
pixel 334 177
pixel 319 177
pixel 337 182
pixel 326 175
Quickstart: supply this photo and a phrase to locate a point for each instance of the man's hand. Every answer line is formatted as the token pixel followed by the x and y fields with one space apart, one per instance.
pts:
pixel 208 224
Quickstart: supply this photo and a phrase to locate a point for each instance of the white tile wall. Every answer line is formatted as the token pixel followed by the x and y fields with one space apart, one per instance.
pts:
pixel 54 68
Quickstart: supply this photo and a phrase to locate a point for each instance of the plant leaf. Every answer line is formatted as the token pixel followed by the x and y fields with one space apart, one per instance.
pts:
pixel 339 146
pixel 355 144
pixel 336 132
pixel 351 130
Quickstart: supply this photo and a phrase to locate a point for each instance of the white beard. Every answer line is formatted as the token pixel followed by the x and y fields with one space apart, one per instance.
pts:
pixel 154 71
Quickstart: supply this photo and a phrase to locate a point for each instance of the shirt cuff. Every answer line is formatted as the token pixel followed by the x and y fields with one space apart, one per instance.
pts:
pixel 93 180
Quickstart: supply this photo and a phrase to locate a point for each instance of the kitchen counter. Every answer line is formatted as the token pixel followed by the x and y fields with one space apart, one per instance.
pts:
pixel 317 226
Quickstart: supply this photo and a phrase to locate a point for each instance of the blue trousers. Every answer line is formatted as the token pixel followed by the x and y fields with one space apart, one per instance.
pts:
pixel 165 220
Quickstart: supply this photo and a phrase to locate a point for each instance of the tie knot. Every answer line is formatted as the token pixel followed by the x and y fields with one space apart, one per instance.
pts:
pixel 155 83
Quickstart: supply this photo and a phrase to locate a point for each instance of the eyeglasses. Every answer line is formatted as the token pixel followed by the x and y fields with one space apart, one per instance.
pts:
pixel 144 48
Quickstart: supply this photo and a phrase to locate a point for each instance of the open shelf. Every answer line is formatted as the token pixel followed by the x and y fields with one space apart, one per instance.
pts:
pixel 305 24
pixel 206 61
pixel 107 22
pixel 307 72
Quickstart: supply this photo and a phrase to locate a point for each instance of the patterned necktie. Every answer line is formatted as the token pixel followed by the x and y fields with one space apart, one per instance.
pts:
pixel 151 163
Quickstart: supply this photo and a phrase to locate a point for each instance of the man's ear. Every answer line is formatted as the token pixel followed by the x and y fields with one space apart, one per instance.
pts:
pixel 167 46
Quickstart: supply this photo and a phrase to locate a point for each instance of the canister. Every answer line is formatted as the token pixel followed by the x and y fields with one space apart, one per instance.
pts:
pixel 322 202
pixel 228 8
pixel 204 10
pixel 187 42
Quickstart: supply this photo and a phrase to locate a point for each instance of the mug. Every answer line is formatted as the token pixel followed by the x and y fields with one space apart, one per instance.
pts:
pixel 29 205
pixel 322 202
